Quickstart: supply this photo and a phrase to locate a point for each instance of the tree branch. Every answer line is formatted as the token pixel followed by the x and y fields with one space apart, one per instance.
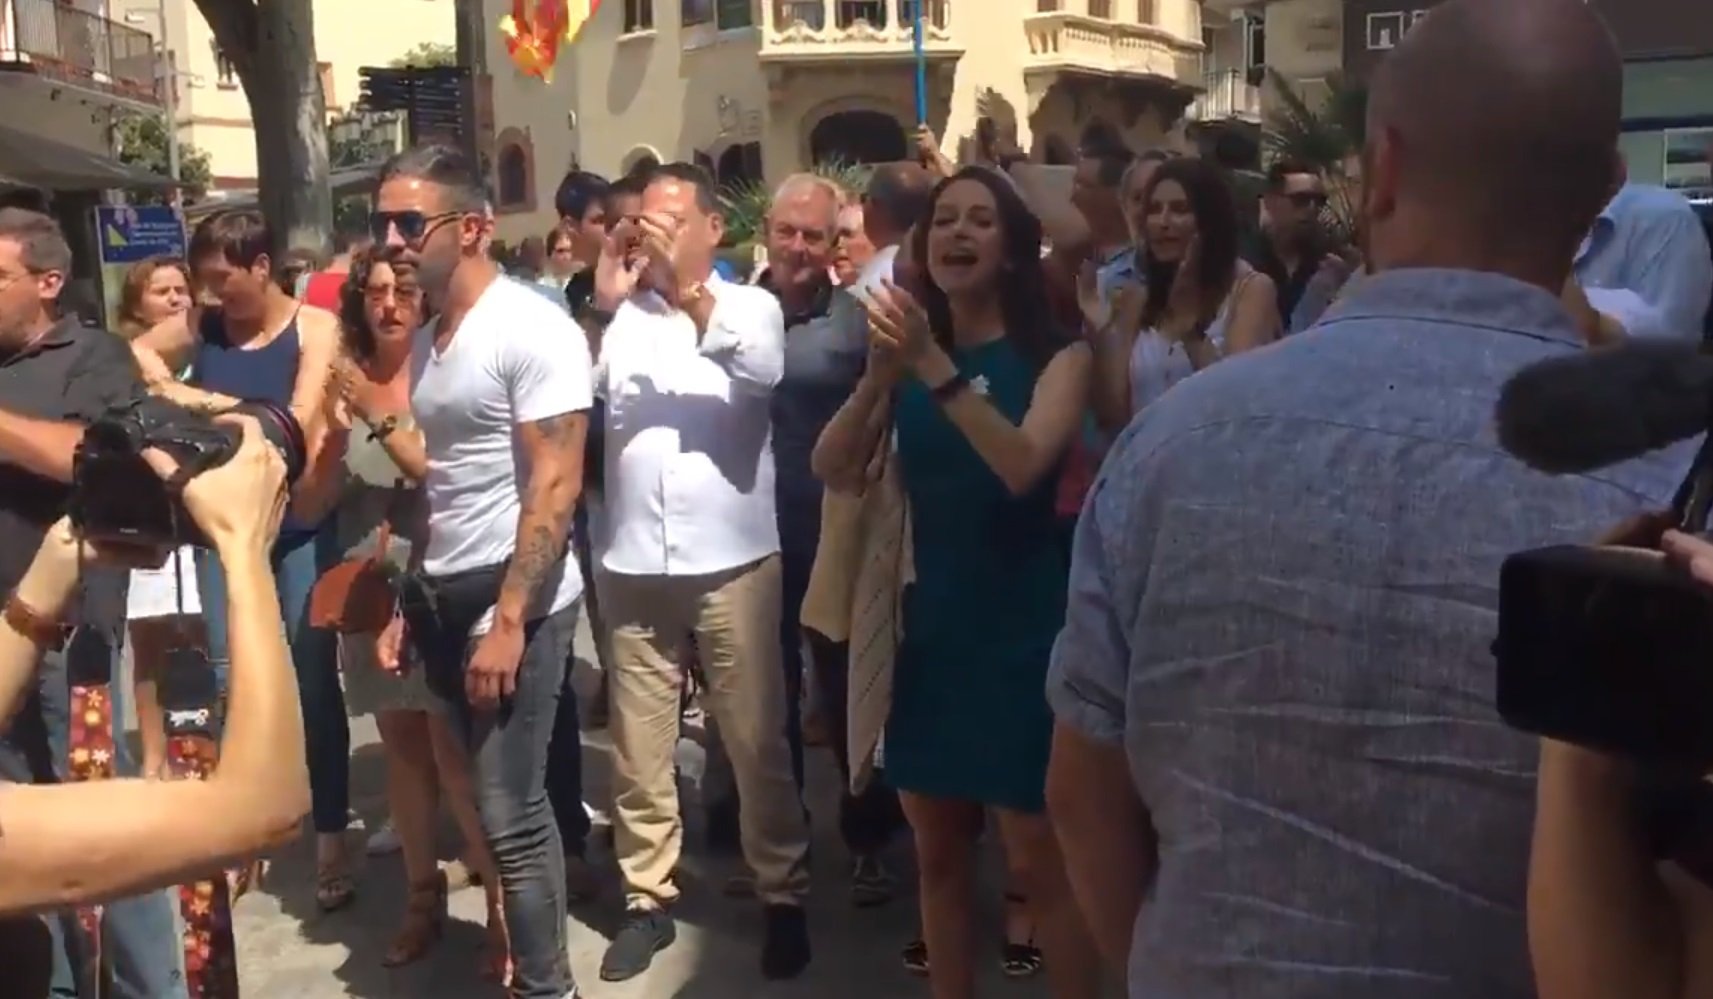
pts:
pixel 237 30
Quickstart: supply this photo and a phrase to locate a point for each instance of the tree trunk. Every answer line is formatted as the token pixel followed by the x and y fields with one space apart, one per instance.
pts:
pixel 271 44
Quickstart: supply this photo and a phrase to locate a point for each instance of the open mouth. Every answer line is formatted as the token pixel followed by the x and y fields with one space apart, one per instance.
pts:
pixel 958 258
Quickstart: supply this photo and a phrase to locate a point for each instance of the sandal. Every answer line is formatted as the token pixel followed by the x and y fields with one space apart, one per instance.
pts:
pixel 334 889
pixel 424 921
pixel 915 957
pixel 1019 960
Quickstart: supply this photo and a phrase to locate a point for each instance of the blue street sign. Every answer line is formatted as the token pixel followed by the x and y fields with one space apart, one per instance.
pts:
pixel 130 233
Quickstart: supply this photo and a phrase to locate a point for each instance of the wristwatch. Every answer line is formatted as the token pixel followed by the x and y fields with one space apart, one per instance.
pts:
pixel 384 429
pixel 950 389
pixel 42 631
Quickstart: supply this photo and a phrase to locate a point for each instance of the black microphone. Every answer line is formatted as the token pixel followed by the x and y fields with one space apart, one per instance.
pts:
pixel 1593 408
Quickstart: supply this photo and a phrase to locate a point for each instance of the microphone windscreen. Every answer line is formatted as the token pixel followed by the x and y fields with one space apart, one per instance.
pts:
pixel 1593 408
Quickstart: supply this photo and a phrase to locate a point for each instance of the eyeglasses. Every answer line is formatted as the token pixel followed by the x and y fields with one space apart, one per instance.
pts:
pixel 412 226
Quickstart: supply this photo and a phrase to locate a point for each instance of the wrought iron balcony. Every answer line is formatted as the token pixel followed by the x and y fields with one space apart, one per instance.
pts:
pixel 1227 96
pixel 67 44
pixel 839 29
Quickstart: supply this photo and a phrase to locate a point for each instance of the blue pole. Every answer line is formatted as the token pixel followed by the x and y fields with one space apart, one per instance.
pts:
pixel 921 63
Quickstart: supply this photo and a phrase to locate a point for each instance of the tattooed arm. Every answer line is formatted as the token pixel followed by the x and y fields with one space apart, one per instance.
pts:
pixel 554 447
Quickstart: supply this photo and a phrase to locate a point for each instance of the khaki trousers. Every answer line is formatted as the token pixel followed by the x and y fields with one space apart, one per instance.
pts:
pixel 735 618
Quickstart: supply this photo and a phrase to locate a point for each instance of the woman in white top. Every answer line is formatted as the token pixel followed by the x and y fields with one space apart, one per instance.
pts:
pixel 164 609
pixel 1196 301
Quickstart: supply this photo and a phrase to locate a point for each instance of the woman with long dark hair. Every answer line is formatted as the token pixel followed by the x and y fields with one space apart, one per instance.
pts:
pixel 1197 302
pixel 985 392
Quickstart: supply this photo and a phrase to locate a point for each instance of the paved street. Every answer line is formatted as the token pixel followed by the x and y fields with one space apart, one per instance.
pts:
pixel 288 949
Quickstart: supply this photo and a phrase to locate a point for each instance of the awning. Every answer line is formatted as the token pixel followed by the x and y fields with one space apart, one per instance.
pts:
pixel 29 160
pixel 342 181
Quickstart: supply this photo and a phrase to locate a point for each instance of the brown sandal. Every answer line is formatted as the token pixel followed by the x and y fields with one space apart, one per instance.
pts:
pixel 424 921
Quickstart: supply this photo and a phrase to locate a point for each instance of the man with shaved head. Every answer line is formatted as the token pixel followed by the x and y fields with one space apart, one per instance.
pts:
pixel 1273 691
pixel 895 201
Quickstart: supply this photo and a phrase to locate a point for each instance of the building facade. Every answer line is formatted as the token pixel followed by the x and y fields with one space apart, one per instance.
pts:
pixel 756 89
pixel 213 113
pixel 1668 91
pixel 66 68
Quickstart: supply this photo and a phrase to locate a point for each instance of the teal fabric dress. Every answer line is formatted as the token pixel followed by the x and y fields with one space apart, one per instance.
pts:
pixel 969 713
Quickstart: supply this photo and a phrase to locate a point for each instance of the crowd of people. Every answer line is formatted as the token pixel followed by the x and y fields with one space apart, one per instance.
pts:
pixel 1160 545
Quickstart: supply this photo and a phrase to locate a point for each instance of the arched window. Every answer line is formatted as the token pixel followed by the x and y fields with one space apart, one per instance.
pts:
pixel 858 137
pixel 513 179
pixel 740 164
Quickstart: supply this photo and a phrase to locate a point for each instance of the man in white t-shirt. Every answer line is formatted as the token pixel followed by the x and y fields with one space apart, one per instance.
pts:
pixel 500 390
pixel 689 363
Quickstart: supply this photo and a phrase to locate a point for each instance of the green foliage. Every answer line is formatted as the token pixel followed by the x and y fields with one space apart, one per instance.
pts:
pixel 747 202
pixel 141 141
pixel 426 55
pixel 1325 136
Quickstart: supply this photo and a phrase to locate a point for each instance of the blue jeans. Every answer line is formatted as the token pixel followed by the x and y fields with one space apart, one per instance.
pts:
pixel 314 653
pixel 139 937
pixel 509 762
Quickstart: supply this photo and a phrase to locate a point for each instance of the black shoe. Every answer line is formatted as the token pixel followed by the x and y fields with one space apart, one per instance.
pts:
pixel 871 883
pixel 645 933
pixel 785 945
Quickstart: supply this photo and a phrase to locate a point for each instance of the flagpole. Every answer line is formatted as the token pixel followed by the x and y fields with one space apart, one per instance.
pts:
pixel 921 62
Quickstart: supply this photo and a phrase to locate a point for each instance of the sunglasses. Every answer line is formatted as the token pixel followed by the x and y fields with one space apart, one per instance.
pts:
pixel 412 226
pixel 1308 199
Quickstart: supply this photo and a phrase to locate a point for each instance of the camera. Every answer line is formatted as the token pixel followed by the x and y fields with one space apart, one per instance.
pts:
pixel 117 498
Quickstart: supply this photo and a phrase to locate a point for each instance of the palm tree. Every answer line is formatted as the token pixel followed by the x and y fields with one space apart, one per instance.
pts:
pixel 1324 136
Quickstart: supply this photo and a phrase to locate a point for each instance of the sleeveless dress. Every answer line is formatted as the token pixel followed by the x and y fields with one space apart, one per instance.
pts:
pixel 1158 363
pixel 969 713
pixel 366 499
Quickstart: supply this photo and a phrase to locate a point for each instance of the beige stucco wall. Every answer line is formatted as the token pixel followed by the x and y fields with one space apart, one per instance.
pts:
pixel 76 117
pixel 674 95
pixel 1305 38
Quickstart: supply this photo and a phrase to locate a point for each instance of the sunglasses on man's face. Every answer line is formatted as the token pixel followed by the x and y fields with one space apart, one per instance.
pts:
pixel 412 226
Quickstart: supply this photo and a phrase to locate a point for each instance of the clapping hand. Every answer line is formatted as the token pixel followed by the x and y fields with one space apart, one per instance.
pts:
pixel 898 324
pixel 663 246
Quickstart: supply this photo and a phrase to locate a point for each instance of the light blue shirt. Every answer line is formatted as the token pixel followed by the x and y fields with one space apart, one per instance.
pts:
pixel 1650 241
pixel 1283 595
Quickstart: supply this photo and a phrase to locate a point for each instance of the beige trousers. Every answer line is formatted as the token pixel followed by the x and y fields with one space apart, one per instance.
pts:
pixel 735 618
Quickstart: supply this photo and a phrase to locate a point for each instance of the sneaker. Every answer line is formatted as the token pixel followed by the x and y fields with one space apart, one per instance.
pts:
pixel 645 933
pixel 384 841
pixel 785 943
pixel 871 883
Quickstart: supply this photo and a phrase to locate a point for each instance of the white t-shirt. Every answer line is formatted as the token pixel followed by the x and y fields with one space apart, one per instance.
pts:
pixel 879 267
pixel 515 359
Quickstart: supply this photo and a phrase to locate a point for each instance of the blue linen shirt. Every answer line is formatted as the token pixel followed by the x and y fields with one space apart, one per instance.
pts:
pixel 1650 241
pixel 1282 601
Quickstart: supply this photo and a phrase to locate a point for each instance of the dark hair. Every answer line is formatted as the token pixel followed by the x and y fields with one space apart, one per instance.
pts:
pixel 41 241
pixel 554 237
pixel 631 185
pixel 443 166
pixel 1100 139
pixel 1023 299
pixel 239 236
pixel 136 285
pixel 1110 164
pixel 687 173
pixel 901 191
pixel 1217 231
pixel 354 327
pixel 1285 168
pixel 578 192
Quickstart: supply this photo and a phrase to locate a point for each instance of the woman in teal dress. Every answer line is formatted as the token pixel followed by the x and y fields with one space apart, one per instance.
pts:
pixel 986 394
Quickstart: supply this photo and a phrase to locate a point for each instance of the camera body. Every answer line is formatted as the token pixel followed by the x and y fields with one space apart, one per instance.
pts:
pixel 117 498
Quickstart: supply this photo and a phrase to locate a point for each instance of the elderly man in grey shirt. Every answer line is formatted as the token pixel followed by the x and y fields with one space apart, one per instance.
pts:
pixel 1274 686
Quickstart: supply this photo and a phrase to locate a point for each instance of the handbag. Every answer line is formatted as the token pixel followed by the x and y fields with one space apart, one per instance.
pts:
pixel 356 596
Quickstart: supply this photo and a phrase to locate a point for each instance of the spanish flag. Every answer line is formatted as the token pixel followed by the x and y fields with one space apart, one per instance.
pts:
pixel 535 29
pixel 577 14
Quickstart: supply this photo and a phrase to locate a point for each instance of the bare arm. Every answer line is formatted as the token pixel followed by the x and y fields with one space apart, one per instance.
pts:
pixel 1020 455
pixel 323 481
pixel 554 447
pixel 157 833
pixel 1254 316
pixel 1113 342
pixel 1106 834
pixel 318 335
pixel 173 339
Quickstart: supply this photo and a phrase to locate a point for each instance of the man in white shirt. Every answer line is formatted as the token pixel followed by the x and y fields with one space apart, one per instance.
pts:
pixel 896 198
pixel 500 388
pixel 689 363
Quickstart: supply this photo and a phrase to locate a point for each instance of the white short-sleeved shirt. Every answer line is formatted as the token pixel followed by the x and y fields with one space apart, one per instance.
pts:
pixel 515 359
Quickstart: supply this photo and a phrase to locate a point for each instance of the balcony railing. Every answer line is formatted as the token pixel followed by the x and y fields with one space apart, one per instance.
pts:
pixel 58 40
pixel 1228 96
pixel 1064 37
pixel 852 27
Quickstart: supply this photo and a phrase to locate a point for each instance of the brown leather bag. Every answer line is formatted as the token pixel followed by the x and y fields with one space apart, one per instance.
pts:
pixel 356 596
